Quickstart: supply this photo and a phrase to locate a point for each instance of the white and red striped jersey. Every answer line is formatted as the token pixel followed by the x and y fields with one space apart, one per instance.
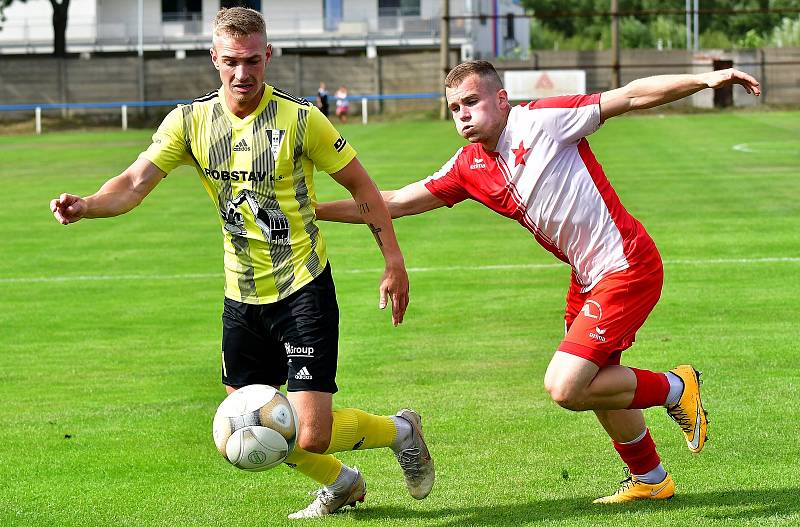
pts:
pixel 544 175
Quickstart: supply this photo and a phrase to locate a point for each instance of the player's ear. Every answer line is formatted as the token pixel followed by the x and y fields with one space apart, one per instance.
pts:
pixel 213 53
pixel 502 98
pixel 268 54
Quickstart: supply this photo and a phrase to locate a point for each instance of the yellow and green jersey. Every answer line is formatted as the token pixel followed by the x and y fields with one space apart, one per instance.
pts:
pixel 259 172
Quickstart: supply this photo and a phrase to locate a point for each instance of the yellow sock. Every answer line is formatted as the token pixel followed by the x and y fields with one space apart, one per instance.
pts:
pixel 357 430
pixel 322 468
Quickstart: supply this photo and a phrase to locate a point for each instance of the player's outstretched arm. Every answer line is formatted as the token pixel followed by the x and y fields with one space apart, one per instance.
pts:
pixel 407 201
pixel 117 196
pixel 373 212
pixel 654 91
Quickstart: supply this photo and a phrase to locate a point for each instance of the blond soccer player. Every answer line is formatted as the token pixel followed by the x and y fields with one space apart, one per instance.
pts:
pixel 254 148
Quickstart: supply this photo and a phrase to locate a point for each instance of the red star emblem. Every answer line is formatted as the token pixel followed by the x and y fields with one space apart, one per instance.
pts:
pixel 519 154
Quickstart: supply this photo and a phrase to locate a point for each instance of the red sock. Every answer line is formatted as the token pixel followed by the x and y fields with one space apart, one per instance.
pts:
pixel 651 389
pixel 641 456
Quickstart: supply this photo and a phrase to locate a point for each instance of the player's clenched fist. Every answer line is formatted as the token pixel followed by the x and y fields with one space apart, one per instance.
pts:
pixel 68 208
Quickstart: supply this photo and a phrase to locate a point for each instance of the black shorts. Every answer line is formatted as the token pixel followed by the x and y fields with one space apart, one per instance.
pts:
pixel 294 339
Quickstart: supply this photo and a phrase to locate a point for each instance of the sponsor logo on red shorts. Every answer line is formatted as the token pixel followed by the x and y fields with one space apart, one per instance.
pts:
pixel 592 309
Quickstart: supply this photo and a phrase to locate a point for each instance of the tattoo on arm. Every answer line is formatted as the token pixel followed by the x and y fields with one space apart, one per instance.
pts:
pixel 363 208
pixel 376 232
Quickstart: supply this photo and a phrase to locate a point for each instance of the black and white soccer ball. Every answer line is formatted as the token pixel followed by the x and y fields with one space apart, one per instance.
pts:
pixel 255 427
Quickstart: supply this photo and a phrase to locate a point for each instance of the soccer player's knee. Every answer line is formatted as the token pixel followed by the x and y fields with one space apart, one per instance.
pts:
pixel 564 394
pixel 311 441
pixel 314 436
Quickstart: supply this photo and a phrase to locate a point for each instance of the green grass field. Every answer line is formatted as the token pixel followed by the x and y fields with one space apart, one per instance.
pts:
pixel 109 340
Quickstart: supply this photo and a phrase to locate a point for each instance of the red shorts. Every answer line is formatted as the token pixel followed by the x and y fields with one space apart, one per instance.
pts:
pixel 601 323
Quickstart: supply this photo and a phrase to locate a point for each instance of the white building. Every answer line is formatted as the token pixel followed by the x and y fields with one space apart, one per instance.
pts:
pixel 481 28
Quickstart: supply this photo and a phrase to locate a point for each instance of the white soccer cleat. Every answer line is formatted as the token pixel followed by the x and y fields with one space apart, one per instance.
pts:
pixel 327 502
pixel 416 460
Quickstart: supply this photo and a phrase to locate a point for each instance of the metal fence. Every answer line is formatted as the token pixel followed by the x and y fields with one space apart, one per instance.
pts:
pixel 392 84
pixel 123 107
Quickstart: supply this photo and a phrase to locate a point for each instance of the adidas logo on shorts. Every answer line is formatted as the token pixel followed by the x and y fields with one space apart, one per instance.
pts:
pixel 303 374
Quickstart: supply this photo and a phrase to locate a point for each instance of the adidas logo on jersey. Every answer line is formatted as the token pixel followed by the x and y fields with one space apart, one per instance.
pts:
pixel 303 374
pixel 241 146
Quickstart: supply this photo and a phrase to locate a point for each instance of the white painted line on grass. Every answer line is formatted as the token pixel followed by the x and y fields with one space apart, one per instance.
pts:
pixel 109 277
pixel 767 147
pixel 444 269
pixel 712 261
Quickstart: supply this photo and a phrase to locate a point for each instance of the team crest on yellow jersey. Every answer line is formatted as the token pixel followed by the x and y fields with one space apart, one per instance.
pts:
pixel 275 137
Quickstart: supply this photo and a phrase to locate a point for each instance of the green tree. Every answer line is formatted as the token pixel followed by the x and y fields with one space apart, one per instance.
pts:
pixel 633 33
pixel 751 40
pixel 569 26
pixel 59 23
pixel 669 31
pixel 786 34
pixel 736 26
pixel 641 28
pixel 715 39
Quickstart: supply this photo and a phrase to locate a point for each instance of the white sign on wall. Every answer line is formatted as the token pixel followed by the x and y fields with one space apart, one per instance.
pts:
pixel 535 84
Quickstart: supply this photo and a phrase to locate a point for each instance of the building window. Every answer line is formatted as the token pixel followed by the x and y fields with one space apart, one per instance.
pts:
pixel 179 10
pixel 332 13
pixel 252 4
pixel 398 7
pixel 510 25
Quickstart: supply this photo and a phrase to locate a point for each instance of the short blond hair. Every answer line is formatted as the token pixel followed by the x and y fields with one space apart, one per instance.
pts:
pixel 239 22
pixel 483 69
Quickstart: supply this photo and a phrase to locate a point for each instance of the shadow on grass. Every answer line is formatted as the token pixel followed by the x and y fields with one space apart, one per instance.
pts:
pixel 739 504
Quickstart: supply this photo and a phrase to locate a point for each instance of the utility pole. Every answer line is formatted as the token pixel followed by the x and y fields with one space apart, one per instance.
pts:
pixel 140 28
pixel 444 54
pixel 616 80
pixel 688 25
pixel 140 51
